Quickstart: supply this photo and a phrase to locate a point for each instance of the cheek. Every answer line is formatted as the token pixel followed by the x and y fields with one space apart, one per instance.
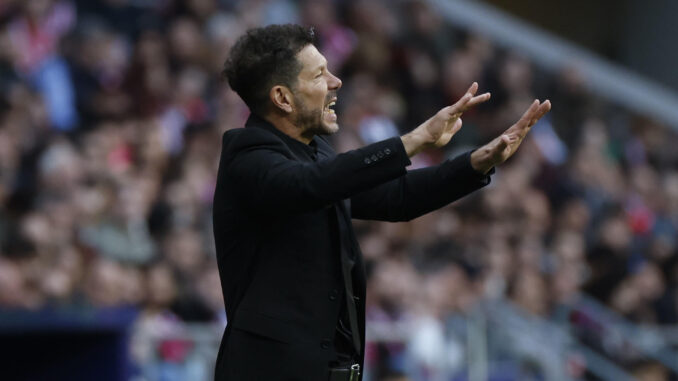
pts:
pixel 314 96
pixel 320 90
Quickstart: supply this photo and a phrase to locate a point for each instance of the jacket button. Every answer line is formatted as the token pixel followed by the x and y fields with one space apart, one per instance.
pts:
pixel 325 344
pixel 374 157
pixel 380 154
pixel 387 151
pixel 334 294
pixel 367 160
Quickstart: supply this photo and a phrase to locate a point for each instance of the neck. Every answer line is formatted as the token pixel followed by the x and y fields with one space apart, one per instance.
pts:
pixel 290 129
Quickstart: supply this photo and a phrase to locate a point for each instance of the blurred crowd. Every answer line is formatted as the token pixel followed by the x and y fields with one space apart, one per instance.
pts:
pixel 111 116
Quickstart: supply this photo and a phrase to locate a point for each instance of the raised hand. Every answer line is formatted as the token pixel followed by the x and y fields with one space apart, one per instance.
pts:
pixel 440 128
pixel 447 122
pixel 504 146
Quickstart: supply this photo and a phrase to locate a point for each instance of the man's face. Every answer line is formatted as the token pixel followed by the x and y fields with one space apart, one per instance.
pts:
pixel 315 94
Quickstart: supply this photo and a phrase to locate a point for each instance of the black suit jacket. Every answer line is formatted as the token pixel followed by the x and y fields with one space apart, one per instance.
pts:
pixel 277 207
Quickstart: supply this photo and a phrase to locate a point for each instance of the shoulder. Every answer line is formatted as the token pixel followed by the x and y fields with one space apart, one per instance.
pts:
pixel 246 135
pixel 240 140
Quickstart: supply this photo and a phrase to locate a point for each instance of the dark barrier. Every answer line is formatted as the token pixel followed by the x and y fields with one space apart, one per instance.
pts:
pixel 66 344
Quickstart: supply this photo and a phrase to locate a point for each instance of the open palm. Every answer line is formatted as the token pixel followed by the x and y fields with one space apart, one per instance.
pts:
pixel 445 123
pixel 505 145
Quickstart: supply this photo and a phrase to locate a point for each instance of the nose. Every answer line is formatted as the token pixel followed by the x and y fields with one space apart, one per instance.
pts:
pixel 334 83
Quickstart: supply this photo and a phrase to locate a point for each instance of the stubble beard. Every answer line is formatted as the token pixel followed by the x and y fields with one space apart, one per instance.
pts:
pixel 311 120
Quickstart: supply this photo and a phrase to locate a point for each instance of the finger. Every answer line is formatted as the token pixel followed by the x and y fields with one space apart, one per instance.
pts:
pixel 500 145
pixel 544 108
pixel 510 139
pixel 478 99
pixel 506 145
pixel 453 127
pixel 473 88
pixel 504 141
pixel 528 115
pixel 541 111
pixel 457 126
pixel 448 134
pixel 458 107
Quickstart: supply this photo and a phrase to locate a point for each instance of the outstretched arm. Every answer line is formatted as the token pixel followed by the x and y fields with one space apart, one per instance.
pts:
pixel 257 166
pixel 424 190
pixel 419 192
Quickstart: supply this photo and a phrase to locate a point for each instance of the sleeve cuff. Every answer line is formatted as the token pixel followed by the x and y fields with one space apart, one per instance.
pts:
pixel 402 153
pixel 462 163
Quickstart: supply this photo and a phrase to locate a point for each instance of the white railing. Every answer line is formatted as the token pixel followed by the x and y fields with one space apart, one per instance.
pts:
pixel 494 334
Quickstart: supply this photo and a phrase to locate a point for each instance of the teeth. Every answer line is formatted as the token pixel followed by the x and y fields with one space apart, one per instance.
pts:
pixel 329 107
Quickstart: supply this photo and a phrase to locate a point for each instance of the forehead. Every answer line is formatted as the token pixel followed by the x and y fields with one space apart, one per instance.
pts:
pixel 310 58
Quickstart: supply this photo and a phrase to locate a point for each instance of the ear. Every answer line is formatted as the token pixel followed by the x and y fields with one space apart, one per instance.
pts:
pixel 282 99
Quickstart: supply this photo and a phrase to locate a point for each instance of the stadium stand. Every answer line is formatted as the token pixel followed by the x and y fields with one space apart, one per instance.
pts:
pixel 111 115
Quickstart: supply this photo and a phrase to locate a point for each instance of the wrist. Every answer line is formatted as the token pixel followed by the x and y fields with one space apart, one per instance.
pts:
pixel 481 160
pixel 415 142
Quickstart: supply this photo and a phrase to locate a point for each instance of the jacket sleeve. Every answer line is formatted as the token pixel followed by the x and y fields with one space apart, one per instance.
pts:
pixel 260 169
pixel 419 191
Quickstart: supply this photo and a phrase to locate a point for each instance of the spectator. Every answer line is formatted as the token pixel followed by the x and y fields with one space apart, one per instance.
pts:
pixel 111 115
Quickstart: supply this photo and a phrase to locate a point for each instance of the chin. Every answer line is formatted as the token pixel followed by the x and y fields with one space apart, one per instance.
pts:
pixel 330 128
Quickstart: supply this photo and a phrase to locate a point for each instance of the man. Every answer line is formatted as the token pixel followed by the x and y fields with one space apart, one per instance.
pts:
pixel 291 270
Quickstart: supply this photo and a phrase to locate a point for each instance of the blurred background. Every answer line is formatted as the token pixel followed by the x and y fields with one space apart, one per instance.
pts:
pixel 564 268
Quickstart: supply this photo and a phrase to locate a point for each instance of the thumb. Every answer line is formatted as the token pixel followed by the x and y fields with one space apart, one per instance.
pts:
pixel 504 141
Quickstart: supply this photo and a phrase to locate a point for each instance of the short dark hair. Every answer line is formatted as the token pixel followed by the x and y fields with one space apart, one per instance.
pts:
pixel 263 58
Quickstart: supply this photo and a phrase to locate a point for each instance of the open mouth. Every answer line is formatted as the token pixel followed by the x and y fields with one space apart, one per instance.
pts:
pixel 329 106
